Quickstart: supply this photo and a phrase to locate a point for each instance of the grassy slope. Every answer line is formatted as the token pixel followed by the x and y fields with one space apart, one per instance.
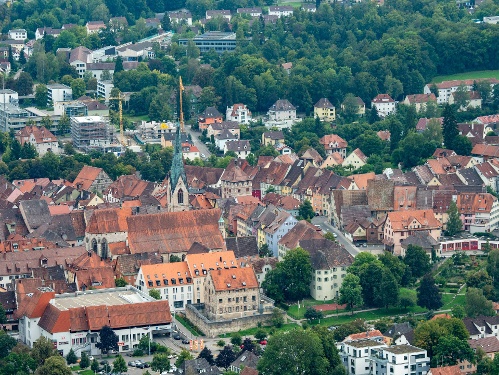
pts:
pixel 468 75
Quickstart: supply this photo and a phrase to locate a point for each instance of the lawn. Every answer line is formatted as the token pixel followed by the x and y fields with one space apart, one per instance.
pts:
pixel 138 118
pixel 449 300
pixel 252 331
pixel 298 313
pixel 82 372
pixel 469 75
pixel 187 324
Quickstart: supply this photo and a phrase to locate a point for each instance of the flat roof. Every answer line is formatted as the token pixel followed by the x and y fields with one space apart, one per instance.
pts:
pixel 88 119
pixel 216 35
pixel 7 91
pixel 364 343
pixel 36 111
pixel 403 349
pixel 107 297
pixel 58 86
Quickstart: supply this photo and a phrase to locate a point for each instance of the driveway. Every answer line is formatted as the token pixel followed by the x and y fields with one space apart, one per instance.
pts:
pixel 203 149
pixel 328 228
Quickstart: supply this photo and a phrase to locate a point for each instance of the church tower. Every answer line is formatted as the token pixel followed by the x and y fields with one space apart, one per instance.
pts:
pixel 178 195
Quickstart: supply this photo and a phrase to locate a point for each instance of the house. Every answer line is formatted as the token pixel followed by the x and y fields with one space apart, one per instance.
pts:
pixel 252 12
pixel 218 127
pixel 218 13
pixel 281 11
pixel 330 261
pixel 485 152
pixel 58 92
pixel 488 172
pixel 446 88
pixel 104 89
pixel 282 110
pixel 424 240
pixel 479 212
pixel 18 34
pixel 355 160
pixel 209 116
pixel 235 181
pixel 384 104
pixel 42 31
pixel 309 8
pixel 420 100
pixel 231 293
pixel 423 123
pixel 181 16
pixel 356 355
pixel 246 359
pixel 473 100
pixel 41 139
pixel 334 143
pixel 127 266
pixel 361 106
pixel 74 321
pixel 173 281
pixel 272 138
pixel 489 346
pixel 97 69
pixel 492 121
pixel 239 113
pixel 324 110
pixel 127 187
pixel 282 224
pixel 402 224
pixel 94 27
pixel 384 135
pixel 397 332
pixel 92 179
pixel 241 148
pixel 398 358
pixel 197 366
pixel 482 326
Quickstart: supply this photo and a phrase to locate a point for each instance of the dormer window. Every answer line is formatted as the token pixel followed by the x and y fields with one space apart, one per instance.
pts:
pixel 165 281
pixel 150 283
pixel 158 282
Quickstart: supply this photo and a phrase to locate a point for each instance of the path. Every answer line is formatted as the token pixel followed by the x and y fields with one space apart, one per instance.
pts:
pixel 203 149
pixel 321 221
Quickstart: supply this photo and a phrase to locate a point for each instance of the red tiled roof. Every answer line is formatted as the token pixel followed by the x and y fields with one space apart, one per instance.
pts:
pixel 86 177
pixel 109 220
pixel 234 279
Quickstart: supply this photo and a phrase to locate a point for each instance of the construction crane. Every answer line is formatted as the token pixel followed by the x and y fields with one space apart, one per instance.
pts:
pixel 181 90
pixel 120 99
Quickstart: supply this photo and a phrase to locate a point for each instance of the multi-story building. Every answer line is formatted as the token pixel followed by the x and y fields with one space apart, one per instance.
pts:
pixel 235 182
pixel 18 34
pixel 70 109
pixel 104 89
pixel 384 104
pixel 446 88
pixel 58 92
pixel 252 12
pixel 239 113
pixel 282 110
pixel 282 224
pixel 223 13
pixel 231 293
pixel 218 41
pixel 41 138
pixel 281 11
pixel 356 356
pixel 479 212
pixel 324 110
pixel 334 143
pixel 172 280
pixel 8 96
pixel 85 131
pixel 400 360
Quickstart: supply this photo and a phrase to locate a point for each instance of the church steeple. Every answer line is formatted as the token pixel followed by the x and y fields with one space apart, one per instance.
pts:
pixel 177 170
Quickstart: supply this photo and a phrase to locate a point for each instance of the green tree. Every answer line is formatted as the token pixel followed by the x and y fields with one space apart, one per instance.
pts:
pixel 28 151
pixel 108 340
pixel 312 314
pixel 428 293
pixel 462 97
pixel 41 96
pixel 396 266
pixel 84 361
pixel 71 357
pixel 154 293
pixel 417 260
pixel 294 352
pixel 184 355
pixel 260 334
pixel 118 65
pixel 451 350
pixel 64 125
pixel 24 84
pixel 406 298
pixel 330 350
pixel 79 87
pixel 7 343
pixel 264 251
pixel 236 339
pixel 160 362
pixel 478 279
pixel 94 366
pixel 225 357
pixel 351 291
pixel 277 318
pixel 428 333
pixel 119 364
pixel 388 293
pixel 450 129
pixel 477 304
pixel 120 282
pixel 462 145
pixel 42 349
pixel 54 365
pixel 458 311
pixel 208 355
pixel 306 210
pixel 454 223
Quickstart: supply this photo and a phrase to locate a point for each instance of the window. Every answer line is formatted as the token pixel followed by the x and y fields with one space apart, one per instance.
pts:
pixel 180 196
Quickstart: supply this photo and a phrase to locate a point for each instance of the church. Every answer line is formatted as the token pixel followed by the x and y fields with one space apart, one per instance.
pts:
pixel 177 192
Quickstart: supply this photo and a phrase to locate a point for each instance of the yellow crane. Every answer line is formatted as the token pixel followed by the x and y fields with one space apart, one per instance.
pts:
pixel 120 99
pixel 181 89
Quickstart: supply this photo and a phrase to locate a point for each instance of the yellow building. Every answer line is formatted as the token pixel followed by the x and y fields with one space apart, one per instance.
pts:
pixel 325 110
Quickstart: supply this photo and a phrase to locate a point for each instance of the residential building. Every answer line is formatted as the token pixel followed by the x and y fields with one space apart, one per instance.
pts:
pixel 235 181
pixel 94 27
pixel 173 281
pixel 135 52
pixel 8 96
pixel 479 212
pixel 282 110
pixel 330 261
pixel 494 20
pixel 190 151
pixel 231 293
pixel 73 321
pixel 239 113
pixel 384 104
pixel 58 92
pixel 482 326
pixel 281 11
pixel 79 57
pixel 218 13
pixel 209 116
pixel 104 89
pixel 355 160
pixel 218 41
pixel 18 34
pixel 401 224
pixel 70 109
pixel 97 69
pixel 420 101
pixel 92 179
pixel 245 359
pixel 334 143
pixel 128 187
pixel 181 16
pixel 197 366
pixel 41 138
pixel 218 127
pixel 324 110
pixel 272 138
pixel 356 356
pixel 474 100
pixel 488 345
pixel 241 148
pixel 93 133
pixel 400 360
pixel 223 137
pixel 282 224
pixel 42 31
pixel 446 88
pixel 15 117
pixel 361 106
pixel 252 12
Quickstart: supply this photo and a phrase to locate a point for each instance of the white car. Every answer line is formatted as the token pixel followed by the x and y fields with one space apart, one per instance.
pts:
pixel 91 358
pixel 203 156
pixel 172 369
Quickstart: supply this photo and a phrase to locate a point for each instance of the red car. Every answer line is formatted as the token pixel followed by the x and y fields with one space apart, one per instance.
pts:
pixel 263 342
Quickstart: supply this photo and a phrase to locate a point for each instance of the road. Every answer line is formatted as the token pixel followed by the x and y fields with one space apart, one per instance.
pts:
pixel 326 227
pixel 203 149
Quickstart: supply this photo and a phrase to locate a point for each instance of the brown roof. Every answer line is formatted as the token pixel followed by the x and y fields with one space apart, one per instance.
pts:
pixel 41 134
pixel 248 371
pixel 34 306
pixel 400 220
pixel 474 203
pixel 421 98
pixel 383 98
pixel 129 264
pixel 86 177
pixel 130 186
pixel 109 220
pixel 380 195
pixel 487 344
pixel 234 279
pixel 333 141
pixel 485 150
pixel 155 273
pixel 97 278
pixel 447 370
pixel 173 232
pixel 303 230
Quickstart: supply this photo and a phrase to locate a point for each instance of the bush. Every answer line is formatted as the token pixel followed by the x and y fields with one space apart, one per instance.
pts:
pixel 138 353
pixel 236 339
pixel 221 343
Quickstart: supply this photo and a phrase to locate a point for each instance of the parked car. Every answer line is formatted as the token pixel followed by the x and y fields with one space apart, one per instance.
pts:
pixel 104 362
pixel 185 341
pixel 177 337
pixel 263 342
pixel 173 368
pixel 140 364
pixel 203 156
pixel 91 357
pixel 132 363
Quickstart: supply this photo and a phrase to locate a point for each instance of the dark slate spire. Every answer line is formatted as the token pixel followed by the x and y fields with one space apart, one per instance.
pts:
pixel 177 170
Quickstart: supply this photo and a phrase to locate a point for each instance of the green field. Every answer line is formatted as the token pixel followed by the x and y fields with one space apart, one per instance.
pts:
pixel 82 372
pixel 469 75
pixel 298 313
pixel 252 331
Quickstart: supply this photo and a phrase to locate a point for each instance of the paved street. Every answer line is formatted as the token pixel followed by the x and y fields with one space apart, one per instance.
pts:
pixel 203 149
pixel 326 227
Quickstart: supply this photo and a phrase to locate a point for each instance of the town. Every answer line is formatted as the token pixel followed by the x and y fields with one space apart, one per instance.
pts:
pixel 249 187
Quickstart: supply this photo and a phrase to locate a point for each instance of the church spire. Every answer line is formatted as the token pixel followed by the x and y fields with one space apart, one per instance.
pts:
pixel 177 170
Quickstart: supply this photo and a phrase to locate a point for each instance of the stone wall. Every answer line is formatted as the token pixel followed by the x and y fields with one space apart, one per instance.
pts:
pixel 213 328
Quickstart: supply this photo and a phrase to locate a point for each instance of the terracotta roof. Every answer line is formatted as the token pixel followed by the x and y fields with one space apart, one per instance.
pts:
pixel 234 173
pixel 384 135
pixel 109 220
pixel 86 177
pixel 78 222
pixel 248 371
pixel 401 220
pixel 34 306
pixel 383 98
pixel 331 141
pixel 130 186
pixel 41 134
pixel 491 119
pixel 234 279
pixel 303 230
pixel 173 232
pixel 447 370
pixel 96 278
pixel 475 203
pixel 421 98
pixel 200 177
pixel 55 320
pixel 487 170
pixel 362 179
pixel 466 82
pixel 199 202
pixel 166 274
pixel 485 150
pixel 206 261
pixel 363 335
